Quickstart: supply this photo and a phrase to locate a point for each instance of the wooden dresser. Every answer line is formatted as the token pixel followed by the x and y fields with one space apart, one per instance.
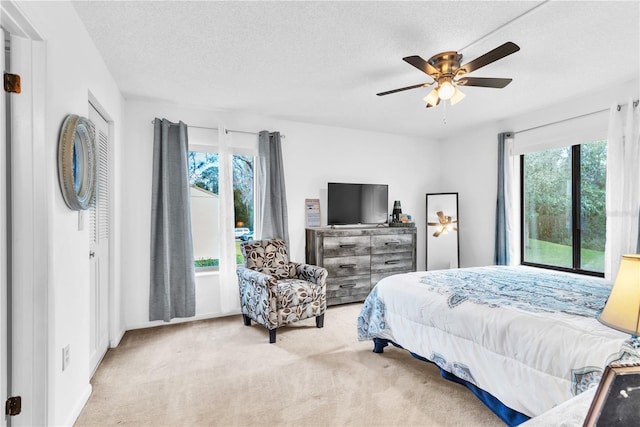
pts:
pixel 357 258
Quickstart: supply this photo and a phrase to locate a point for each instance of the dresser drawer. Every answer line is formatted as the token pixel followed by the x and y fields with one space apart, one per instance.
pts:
pixel 334 246
pixel 385 243
pixel 398 261
pixel 348 286
pixel 348 265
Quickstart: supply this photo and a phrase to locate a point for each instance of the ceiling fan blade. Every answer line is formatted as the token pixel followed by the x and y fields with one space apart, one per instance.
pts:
pixel 421 65
pixel 441 216
pixel 484 82
pixel 433 223
pixel 455 228
pixel 437 233
pixel 457 96
pixel 432 99
pixel 498 53
pixel 404 88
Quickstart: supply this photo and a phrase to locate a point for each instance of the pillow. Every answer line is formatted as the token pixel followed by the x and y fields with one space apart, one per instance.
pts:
pixel 269 257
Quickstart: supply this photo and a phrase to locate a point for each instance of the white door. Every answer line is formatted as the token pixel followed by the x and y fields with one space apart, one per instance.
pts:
pixel 99 247
pixel 3 243
pixel 26 299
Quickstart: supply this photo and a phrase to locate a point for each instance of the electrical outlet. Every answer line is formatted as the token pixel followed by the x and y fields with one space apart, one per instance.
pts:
pixel 66 358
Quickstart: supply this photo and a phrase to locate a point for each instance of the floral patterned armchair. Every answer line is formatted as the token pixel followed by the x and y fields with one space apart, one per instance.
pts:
pixel 275 291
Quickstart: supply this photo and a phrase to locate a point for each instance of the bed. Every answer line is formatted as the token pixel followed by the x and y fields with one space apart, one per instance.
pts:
pixel 522 339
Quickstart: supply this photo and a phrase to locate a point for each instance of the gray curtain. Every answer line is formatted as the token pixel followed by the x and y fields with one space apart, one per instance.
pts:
pixel 501 255
pixel 274 219
pixel 172 292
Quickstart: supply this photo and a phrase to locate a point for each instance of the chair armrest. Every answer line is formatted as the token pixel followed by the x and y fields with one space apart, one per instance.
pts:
pixel 248 275
pixel 258 296
pixel 311 273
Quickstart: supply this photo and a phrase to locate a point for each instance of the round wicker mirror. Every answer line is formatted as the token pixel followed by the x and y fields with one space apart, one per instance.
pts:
pixel 77 162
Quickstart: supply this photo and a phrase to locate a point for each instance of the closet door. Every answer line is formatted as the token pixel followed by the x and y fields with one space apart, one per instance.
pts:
pixel 99 224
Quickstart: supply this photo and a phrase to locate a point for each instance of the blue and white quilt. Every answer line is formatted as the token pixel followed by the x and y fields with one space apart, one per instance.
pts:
pixel 528 337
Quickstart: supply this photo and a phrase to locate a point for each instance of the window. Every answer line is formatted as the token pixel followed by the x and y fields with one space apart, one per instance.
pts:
pixel 563 208
pixel 243 199
pixel 204 170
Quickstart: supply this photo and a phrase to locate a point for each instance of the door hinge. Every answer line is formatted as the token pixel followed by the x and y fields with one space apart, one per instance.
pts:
pixel 11 83
pixel 13 405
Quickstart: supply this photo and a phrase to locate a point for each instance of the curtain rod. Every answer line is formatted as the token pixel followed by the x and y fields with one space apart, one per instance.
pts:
pixel 214 128
pixel 211 128
pixel 635 104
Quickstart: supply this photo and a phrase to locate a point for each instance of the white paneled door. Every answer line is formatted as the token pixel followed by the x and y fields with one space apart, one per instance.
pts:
pixel 99 246
pixel 4 246
pixel 24 300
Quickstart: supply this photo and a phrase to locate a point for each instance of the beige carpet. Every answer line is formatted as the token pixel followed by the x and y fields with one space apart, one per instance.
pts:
pixel 220 372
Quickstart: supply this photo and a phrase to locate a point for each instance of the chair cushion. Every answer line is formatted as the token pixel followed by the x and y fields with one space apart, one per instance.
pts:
pixel 269 257
pixel 294 292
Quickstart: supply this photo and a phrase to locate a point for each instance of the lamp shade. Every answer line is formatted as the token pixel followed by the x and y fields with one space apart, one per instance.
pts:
pixel 622 310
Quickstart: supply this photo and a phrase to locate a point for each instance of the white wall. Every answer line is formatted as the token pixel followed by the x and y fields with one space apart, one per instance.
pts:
pixel 74 69
pixel 472 159
pixel 316 155
pixel 470 169
pixel 313 155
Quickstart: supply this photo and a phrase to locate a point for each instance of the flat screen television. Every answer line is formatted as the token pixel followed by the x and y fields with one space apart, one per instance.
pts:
pixel 349 204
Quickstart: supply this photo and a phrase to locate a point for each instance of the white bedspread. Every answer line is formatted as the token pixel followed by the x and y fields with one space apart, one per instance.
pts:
pixel 532 352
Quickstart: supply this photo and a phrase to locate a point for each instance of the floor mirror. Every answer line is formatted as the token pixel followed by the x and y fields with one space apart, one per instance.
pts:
pixel 443 231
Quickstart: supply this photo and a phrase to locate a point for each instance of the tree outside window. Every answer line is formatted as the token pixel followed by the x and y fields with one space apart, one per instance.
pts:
pixel 204 169
pixel 564 216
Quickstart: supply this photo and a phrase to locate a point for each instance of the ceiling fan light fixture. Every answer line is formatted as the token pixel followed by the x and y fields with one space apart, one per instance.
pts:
pixel 446 89
pixel 432 98
pixel 457 96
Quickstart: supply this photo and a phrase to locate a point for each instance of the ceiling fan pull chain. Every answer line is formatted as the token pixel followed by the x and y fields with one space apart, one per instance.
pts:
pixel 444 112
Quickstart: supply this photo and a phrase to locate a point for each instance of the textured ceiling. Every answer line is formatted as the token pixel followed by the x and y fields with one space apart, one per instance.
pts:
pixel 323 62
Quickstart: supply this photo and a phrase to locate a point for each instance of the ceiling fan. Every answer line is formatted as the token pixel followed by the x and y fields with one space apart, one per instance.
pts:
pixel 445 70
pixel 444 224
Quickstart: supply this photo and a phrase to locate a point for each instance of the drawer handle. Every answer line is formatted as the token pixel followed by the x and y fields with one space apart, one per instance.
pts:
pixel 348 246
pixel 348 285
pixel 395 243
pixel 392 261
pixel 348 266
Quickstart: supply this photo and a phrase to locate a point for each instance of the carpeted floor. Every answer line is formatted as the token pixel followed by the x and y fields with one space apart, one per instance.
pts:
pixel 220 372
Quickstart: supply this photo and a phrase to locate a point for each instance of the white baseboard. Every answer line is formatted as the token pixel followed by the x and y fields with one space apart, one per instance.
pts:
pixel 181 320
pixel 113 343
pixel 77 409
